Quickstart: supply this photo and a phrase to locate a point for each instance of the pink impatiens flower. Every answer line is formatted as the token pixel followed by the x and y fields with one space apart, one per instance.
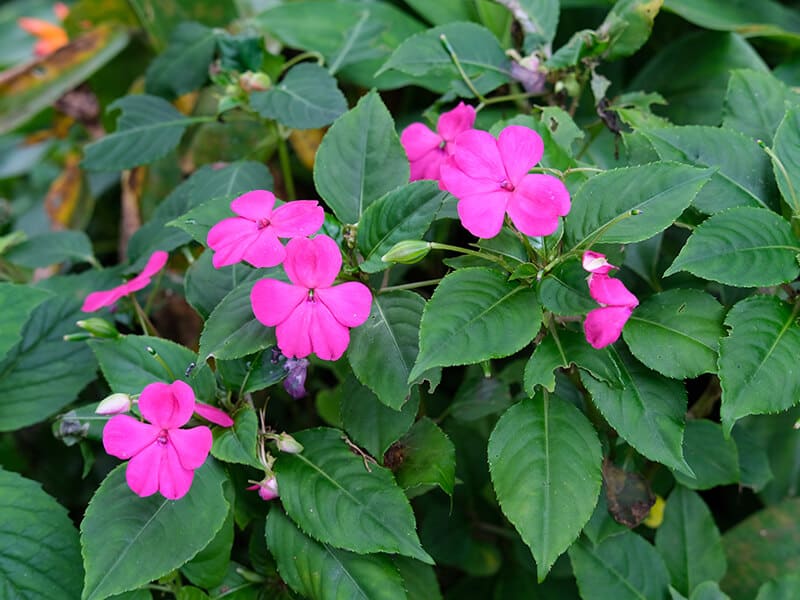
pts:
pixel 253 235
pixel 603 325
pixel 97 300
pixel 213 414
pixel 427 150
pixel 162 456
pixel 311 314
pixel 490 178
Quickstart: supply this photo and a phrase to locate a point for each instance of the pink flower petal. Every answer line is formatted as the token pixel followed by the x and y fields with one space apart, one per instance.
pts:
pixel 191 445
pixel 329 338
pixel 418 140
pixel 609 291
pixel 603 326
pixel 154 264
pixel 142 472
pixel 167 405
pixel 350 303
pixel 428 166
pixel 124 436
pixel 174 480
pixel 520 148
pixel 273 301
pixel 312 262
pixel 294 338
pixel 477 155
pixel 482 214
pixel 229 239
pixel 549 193
pixel 213 414
pixel 298 218
pixel 530 216
pixel 97 300
pixel 265 249
pixel 461 184
pixel 594 262
pixel 254 205
pixel 455 121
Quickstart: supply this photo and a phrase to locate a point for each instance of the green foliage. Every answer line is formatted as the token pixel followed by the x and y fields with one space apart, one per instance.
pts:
pixel 183 66
pixel 713 458
pixel 428 459
pixel 237 444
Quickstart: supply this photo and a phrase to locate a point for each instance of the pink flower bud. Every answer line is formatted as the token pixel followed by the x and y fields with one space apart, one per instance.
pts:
pixel 288 444
pixel 267 488
pixel 114 404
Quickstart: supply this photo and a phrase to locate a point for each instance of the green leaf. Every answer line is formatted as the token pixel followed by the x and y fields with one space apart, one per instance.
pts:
pixel 147 130
pixel 128 366
pixel 356 37
pixel 307 97
pixel 564 290
pixel 689 541
pixel 382 351
pixel 492 318
pixel 35 86
pixel 647 411
pixel 360 159
pixel 370 423
pixel 237 444
pixel 765 18
pixel 708 590
pixel 786 150
pixel 782 588
pixel 478 52
pixel 661 191
pixel 758 355
pixel 743 247
pixel 677 333
pixel 756 103
pixel 764 546
pixel 602 525
pixel 41 555
pixel 53 247
pixel 209 567
pixel 754 466
pixel 541 366
pixel 479 396
pixel 713 458
pixel 183 66
pixel 43 373
pixel 622 567
pixel 447 11
pixel 200 219
pixel 403 214
pixel 321 572
pixel 742 176
pixel 544 458
pixel 232 331
pixel 541 16
pixel 251 373
pixel 429 458
pixel 627 26
pixel 693 83
pixel 419 579
pixel 121 554
pixel 206 286
pixel 332 495
pixel 16 304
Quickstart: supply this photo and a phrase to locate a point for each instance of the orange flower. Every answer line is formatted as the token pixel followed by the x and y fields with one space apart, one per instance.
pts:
pixel 51 36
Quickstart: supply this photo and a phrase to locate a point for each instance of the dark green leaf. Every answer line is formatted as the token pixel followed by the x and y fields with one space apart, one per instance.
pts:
pixel 210 566
pixel 758 355
pixel 491 319
pixel 708 590
pixel 307 97
pixel 41 554
pixel 16 304
pixel 677 333
pixel 183 66
pixel 787 140
pixel 370 423
pixel 714 459
pixel 689 542
pixel 661 191
pixel 360 159
pixel 52 248
pixel 754 468
pixel 623 567
pixel 782 588
pixel 321 572
pixel 147 130
pixel 419 579
pixel 339 499
pixel 206 286
pixel 479 396
pixel 544 458
pixel 429 458
pixel 756 102
pixel 121 554
pixel 565 292
pixel 237 444
pixel 764 18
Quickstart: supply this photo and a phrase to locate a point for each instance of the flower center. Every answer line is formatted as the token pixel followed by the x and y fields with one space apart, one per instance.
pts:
pixel 310 296
pixel 261 223
pixel 162 437
pixel 507 185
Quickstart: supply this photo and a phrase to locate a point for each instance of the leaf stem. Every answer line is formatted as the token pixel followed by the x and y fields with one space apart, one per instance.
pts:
pixel 489 257
pixel 409 286
pixel 301 57
pixel 286 167
pixel 457 63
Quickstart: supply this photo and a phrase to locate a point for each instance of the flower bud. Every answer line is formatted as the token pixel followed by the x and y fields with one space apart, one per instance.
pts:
pixel 267 488
pixel 288 444
pixel 407 252
pixel 114 404
pixel 255 82
pixel 98 327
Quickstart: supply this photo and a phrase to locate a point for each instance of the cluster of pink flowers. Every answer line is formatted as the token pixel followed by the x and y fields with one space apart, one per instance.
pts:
pixel 163 455
pixel 310 314
pixel 603 325
pixel 488 175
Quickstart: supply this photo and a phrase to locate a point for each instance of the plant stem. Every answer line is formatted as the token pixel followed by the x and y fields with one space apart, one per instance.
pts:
pixel 460 69
pixel 489 257
pixel 301 57
pixel 286 167
pixel 144 322
pixel 409 286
